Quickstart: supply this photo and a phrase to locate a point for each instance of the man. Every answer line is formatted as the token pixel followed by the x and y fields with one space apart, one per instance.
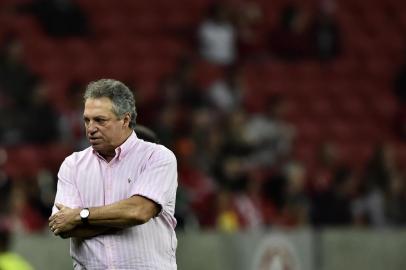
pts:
pixel 116 199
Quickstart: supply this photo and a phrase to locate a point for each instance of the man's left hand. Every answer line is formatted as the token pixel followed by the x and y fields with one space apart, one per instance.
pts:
pixel 64 220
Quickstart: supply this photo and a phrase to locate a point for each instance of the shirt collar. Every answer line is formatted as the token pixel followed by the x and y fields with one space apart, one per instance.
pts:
pixel 126 146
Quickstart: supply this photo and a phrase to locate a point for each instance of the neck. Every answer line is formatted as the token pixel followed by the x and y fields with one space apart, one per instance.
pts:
pixel 109 155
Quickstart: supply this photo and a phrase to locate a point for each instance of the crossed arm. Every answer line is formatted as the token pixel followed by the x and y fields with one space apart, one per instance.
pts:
pixel 133 211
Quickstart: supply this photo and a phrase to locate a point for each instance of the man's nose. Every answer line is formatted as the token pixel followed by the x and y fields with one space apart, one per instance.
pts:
pixel 91 128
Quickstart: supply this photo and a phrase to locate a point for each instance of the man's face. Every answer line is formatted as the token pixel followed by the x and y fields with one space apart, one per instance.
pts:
pixel 103 129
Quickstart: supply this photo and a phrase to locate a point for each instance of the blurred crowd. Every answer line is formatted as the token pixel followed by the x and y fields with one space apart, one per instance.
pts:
pixel 237 164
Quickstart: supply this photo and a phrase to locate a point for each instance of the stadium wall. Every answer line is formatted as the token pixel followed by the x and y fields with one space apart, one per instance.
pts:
pixel 275 250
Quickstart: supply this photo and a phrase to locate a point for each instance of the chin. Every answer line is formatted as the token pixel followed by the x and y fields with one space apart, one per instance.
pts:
pixel 97 147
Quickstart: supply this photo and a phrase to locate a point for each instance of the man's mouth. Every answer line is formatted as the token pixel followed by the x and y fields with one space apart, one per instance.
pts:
pixel 94 140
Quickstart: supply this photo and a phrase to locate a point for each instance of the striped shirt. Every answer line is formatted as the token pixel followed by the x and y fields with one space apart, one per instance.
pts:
pixel 85 179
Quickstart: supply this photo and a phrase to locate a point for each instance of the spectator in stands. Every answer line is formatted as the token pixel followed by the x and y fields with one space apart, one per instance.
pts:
pixel 325 33
pixel 396 201
pixel 381 167
pixel 217 36
pixel 226 95
pixel 287 204
pixel 249 202
pixel 181 96
pixel 16 86
pixel 227 217
pixel 249 19
pixel 5 186
pixel 269 134
pixel 147 101
pixel 16 79
pixel 10 260
pixel 328 162
pixel 291 40
pixel 236 144
pixel 28 213
pixel 181 87
pixel 208 136
pixel 297 208
pixel 378 182
pixel 239 207
pixel 59 18
pixel 35 129
pixel 274 196
pixel 231 173
pixel 198 185
pixel 400 94
pixel 167 124
pixel 333 206
pixel 146 134
pixel 400 82
pixel 240 203
pixel 71 121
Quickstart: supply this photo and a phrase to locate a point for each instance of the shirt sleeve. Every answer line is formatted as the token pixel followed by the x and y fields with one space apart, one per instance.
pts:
pixel 67 192
pixel 159 180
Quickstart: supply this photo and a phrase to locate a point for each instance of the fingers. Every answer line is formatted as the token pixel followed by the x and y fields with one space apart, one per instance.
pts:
pixel 52 225
pixel 56 232
pixel 53 222
pixel 53 228
pixel 58 206
pixel 62 220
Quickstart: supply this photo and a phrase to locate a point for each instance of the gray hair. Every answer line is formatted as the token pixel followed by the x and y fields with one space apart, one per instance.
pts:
pixel 119 94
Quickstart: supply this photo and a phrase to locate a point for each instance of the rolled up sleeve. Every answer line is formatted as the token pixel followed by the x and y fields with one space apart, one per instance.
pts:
pixel 159 180
pixel 67 192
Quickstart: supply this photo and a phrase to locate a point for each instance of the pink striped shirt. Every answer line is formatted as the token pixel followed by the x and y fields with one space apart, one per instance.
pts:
pixel 85 179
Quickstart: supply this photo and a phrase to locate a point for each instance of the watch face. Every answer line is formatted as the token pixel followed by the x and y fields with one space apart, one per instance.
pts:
pixel 84 213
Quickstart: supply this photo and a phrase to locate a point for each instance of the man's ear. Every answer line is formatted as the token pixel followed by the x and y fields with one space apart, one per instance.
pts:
pixel 127 120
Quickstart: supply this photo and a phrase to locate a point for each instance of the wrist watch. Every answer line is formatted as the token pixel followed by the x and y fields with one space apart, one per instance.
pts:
pixel 84 215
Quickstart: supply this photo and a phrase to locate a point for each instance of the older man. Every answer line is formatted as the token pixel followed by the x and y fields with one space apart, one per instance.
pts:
pixel 116 199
